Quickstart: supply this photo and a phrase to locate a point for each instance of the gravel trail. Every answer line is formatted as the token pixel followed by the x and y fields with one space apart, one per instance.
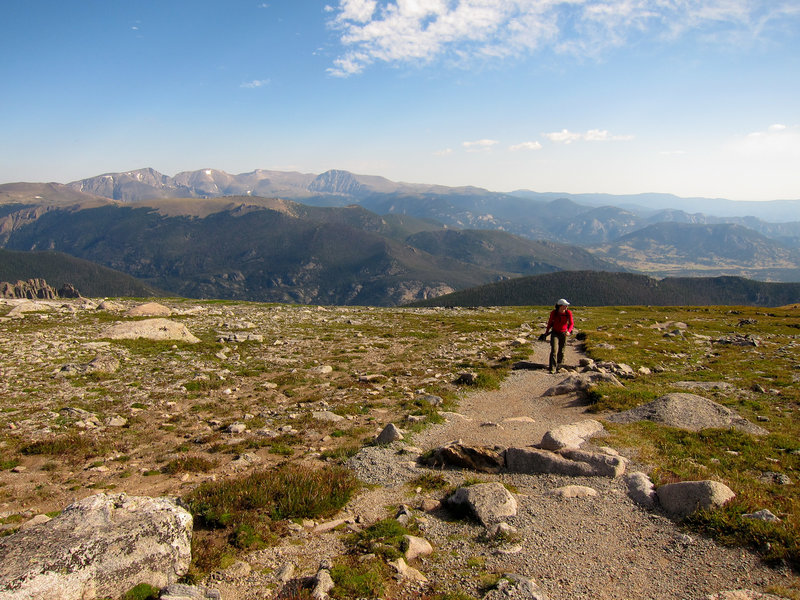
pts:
pixel 602 547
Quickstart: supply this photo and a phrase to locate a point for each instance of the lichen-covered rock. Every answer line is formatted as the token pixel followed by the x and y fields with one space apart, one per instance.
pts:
pixel 98 547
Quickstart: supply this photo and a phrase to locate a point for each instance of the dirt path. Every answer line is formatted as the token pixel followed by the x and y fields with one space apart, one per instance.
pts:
pixel 515 415
pixel 594 548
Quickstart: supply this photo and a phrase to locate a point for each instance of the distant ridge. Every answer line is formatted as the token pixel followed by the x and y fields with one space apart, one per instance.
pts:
pixel 600 288
pixel 90 279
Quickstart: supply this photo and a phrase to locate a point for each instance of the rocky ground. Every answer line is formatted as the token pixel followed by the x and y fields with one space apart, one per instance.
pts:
pixel 303 383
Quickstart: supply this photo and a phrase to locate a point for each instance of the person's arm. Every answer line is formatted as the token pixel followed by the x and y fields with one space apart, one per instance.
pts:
pixel 571 322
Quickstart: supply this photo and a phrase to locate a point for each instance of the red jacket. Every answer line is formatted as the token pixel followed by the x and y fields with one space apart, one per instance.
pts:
pixel 560 322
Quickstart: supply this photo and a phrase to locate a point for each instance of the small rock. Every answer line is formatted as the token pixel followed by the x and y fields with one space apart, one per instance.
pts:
pixel 416 546
pixel 390 434
pixel 762 515
pixel 574 491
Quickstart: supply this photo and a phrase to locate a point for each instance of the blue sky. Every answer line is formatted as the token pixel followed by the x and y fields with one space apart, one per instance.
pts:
pixel 691 97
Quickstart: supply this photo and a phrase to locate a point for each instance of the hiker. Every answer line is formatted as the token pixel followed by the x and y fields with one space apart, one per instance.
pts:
pixel 560 325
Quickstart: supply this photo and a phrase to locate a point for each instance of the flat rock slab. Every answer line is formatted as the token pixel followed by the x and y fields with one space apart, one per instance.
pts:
pixel 98 547
pixel 150 309
pixel 571 462
pixel 151 329
pixel 688 411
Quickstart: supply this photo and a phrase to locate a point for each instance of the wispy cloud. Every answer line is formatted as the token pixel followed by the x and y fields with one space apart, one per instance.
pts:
pixel 593 135
pixel 479 145
pixel 777 140
pixel 525 146
pixel 255 83
pixel 399 31
pixel 444 152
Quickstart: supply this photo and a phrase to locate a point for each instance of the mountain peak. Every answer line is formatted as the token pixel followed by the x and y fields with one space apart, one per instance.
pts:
pixel 337 182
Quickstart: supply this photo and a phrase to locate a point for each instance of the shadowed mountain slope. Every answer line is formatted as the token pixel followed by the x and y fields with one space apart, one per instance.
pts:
pixel 593 288
pixel 90 279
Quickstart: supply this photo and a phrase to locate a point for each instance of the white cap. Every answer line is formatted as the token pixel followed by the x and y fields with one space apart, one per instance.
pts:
pixel 562 302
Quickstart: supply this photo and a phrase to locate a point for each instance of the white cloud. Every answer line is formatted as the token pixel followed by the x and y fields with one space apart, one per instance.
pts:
pixel 445 152
pixel 593 135
pixel 525 146
pixel 479 145
pixel 777 141
pixel 255 83
pixel 398 31
pixel 563 137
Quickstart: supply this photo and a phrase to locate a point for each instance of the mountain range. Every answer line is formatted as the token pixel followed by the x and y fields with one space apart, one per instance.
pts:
pixel 341 238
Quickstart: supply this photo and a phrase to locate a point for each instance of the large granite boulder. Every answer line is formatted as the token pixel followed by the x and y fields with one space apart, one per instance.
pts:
pixel 685 497
pixel 98 547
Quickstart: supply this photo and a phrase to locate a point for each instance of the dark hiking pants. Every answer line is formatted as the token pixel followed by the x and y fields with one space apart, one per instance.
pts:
pixel 557 341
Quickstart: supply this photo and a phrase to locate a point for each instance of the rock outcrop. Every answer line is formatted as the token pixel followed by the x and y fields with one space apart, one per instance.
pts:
pixel 36 289
pixel 98 547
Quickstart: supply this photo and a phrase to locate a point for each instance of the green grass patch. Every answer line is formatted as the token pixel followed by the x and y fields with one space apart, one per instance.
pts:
pixel 359 579
pixel 73 446
pixel 290 491
pixel 384 539
pixel 188 464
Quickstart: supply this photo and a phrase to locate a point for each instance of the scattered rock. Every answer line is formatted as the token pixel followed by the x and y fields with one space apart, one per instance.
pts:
pixel 110 306
pixel 390 434
pixel 762 515
pixel 574 491
pixel 98 547
pixel 685 497
pixel 741 595
pixel 515 587
pixel 573 435
pixel 327 416
pixel 180 591
pixel 489 502
pixel 406 572
pixel 103 364
pixel 775 478
pixel 581 382
pixel 704 385
pixel 323 582
pixel 116 421
pixel 416 546
pixel 641 489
